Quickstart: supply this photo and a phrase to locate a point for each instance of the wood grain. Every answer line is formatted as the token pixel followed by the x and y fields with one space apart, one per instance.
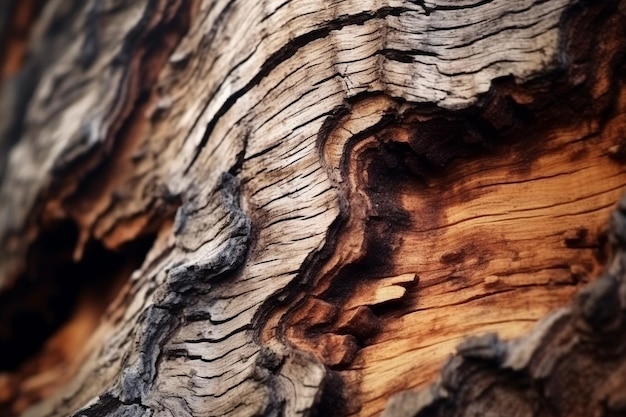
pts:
pixel 331 197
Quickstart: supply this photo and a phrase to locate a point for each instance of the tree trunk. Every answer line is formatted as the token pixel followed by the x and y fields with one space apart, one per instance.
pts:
pixel 238 208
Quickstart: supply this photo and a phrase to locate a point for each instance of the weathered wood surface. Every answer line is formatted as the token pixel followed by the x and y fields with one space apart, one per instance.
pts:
pixel 296 208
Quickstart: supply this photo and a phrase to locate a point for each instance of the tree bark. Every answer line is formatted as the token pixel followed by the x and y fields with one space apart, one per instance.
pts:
pixel 239 208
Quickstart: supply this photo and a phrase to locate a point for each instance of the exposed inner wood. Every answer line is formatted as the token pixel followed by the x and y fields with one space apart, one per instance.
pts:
pixel 500 231
pixel 49 319
pixel 83 280
pixel 497 243
pixel 356 188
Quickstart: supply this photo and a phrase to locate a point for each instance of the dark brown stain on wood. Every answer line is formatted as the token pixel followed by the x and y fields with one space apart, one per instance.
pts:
pixel 510 131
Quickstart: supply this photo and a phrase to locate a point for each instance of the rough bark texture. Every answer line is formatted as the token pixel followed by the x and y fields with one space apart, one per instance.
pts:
pixel 248 208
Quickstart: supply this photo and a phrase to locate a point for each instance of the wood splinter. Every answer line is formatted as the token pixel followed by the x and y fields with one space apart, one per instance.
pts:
pixel 381 291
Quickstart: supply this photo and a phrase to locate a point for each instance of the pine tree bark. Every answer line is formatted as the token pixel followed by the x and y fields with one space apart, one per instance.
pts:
pixel 238 208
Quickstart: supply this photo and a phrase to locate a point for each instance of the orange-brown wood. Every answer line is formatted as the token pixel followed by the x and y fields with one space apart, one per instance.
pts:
pixel 282 208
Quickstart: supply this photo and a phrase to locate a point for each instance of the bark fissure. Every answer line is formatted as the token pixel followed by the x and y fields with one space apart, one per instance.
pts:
pixel 356 188
pixel 282 55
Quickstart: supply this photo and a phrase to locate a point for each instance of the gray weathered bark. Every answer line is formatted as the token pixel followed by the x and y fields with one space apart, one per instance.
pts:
pixel 299 208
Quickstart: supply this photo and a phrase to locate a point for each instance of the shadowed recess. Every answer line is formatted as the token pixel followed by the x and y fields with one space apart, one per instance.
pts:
pixel 49 313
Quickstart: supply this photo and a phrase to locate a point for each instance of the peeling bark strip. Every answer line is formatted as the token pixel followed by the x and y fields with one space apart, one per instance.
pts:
pixel 333 196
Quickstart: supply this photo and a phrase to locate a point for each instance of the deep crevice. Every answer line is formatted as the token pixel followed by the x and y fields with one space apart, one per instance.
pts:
pixel 54 288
